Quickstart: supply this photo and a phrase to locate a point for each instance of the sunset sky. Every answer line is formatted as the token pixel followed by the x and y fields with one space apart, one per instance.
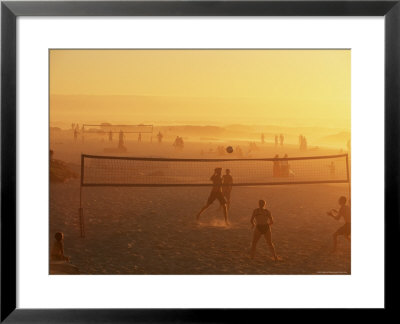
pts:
pixel 299 87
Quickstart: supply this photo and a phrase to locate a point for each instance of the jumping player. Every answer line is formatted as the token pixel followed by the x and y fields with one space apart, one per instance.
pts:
pixel 216 193
pixel 345 212
pixel 227 182
pixel 261 220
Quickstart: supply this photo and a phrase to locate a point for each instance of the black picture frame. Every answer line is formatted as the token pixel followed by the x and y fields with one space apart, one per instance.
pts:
pixel 11 10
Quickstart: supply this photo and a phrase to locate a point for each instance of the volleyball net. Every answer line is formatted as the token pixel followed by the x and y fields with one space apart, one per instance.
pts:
pixel 159 172
pixel 115 171
pixel 109 128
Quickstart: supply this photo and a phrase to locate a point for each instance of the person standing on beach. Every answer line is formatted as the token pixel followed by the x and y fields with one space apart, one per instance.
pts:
pixel 227 182
pixel 216 193
pixel 83 133
pixel 276 169
pixel 176 142
pixel 345 230
pixel 159 137
pixel 75 134
pixel 57 251
pixel 332 169
pixel 121 139
pixel 285 166
pixel 261 220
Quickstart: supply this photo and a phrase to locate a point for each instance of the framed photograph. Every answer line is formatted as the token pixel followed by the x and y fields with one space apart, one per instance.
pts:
pixel 181 160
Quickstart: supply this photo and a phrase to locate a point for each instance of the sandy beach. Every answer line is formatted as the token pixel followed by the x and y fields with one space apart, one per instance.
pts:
pixel 154 230
pixel 147 111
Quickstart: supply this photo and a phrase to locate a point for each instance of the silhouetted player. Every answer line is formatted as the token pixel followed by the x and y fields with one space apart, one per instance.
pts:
pixel 276 169
pixel 227 182
pixel 176 142
pixel 332 169
pixel 345 212
pixel 181 144
pixel 57 251
pixel 121 139
pixel 140 137
pixel 261 220
pixel 159 137
pixel 83 133
pixel 284 167
pixel 304 144
pixel 216 193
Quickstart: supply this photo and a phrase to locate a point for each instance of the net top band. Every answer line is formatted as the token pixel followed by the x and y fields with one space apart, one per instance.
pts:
pixel 89 156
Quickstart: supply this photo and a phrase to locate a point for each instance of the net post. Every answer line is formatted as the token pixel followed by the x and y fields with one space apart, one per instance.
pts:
pixel 81 217
pixel 348 175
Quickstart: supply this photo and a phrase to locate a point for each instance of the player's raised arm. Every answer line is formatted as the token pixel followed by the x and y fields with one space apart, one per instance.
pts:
pixel 334 214
pixel 338 214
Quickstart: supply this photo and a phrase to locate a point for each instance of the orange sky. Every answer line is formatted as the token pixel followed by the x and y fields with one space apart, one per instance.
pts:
pixel 306 87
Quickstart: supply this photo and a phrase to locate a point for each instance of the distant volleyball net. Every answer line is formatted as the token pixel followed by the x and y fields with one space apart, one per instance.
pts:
pixel 159 172
pixel 116 132
pixel 109 128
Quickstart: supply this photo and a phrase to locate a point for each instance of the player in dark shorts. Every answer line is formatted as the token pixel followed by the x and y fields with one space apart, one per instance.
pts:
pixel 227 182
pixel 345 212
pixel 261 220
pixel 276 168
pixel 216 193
